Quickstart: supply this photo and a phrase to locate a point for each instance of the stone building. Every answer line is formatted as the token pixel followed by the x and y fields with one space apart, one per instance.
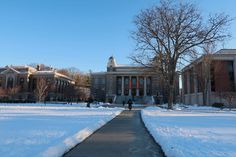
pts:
pixel 222 72
pixel 122 82
pixel 25 79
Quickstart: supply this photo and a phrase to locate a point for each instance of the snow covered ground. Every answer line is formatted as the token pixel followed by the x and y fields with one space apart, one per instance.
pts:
pixel 59 104
pixel 47 131
pixel 193 131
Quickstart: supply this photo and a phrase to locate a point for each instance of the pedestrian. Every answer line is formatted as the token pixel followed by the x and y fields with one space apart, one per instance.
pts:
pixel 88 104
pixel 130 104
pixel 123 103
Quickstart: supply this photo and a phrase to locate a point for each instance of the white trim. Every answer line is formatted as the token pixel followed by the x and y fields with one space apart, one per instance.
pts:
pixel 10 69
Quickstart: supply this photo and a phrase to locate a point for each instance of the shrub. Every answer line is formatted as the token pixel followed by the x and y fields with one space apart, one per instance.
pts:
pixel 218 104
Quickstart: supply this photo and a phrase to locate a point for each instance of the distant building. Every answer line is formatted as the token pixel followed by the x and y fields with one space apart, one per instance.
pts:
pixel 222 74
pixel 122 82
pixel 25 78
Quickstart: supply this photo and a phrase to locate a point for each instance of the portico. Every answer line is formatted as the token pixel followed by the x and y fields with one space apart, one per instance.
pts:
pixel 133 85
pixel 123 82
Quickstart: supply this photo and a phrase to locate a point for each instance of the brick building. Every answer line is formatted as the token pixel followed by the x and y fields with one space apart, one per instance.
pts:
pixel 222 78
pixel 25 78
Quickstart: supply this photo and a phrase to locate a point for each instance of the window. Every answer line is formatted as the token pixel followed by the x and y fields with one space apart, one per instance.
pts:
pixel 126 86
pixel 149 85
pixel 119 85
pixel 185 80
pixel 22 80
pixel 96 80
pixel 200 80
pixel 34 84
pixel 212 79
pixel 191 81
pixel 102 81
pixel 134 80
pixel 10 82
pixel 230 71
pixel 133 85
pixel 141 86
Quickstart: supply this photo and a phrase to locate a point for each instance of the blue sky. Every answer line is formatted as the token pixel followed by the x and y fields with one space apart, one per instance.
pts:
pixel 76 33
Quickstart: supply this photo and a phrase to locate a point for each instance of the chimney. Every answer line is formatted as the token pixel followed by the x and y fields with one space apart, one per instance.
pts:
pixel 38 67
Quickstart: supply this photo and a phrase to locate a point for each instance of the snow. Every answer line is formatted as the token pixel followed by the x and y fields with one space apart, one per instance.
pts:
pixel 59 104
pixel 193 131
pixel 47 131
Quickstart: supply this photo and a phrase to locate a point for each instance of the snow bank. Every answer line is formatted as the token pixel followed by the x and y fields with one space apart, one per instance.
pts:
pixel 48 131
pixel 200 132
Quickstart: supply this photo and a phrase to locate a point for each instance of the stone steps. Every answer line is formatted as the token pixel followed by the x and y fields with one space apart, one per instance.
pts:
pixel 136 99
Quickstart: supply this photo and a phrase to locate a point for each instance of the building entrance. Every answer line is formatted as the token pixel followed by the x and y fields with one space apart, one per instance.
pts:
pixel 133 92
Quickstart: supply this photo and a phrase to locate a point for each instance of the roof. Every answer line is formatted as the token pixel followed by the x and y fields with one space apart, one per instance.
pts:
pixel 222 54
pixel 31 70
pixel 128 65
pixel 98 73
pixel 226 52
pixel 50 72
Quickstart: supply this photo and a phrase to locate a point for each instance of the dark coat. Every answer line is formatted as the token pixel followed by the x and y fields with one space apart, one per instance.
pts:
pixel 130 104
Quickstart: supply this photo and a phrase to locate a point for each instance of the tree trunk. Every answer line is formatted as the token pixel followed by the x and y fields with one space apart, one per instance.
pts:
pixel 204 97
pixel 171 97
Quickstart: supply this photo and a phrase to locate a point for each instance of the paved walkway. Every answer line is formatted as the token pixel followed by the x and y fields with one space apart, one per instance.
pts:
pixel 124 136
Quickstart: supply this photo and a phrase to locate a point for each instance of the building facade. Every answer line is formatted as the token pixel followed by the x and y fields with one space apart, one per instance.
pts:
pixel 25 80
pixel 122 82
pixel 222 79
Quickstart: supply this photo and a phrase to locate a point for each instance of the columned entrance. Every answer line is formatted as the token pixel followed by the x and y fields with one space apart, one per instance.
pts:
pixel 133 85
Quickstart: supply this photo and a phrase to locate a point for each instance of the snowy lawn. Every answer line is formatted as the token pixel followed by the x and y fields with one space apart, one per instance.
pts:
pixel 83 104
pixel 193 131
pixel 27 131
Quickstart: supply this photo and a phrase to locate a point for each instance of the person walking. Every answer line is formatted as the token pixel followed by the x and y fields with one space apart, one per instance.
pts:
pixel 123 103
pixel 130 104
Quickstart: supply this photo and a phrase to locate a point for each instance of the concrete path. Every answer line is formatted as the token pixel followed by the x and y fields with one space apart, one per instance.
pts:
pixel 124 136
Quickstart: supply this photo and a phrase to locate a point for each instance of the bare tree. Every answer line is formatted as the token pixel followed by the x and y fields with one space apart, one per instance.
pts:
pixel 167 34
pixel 202 71
pixel 83 93
pixel 73 72
pixel 82 79
pixel 64 72
pixel 41 89
pixel 70 93
pixel 11 92
pixel 3 92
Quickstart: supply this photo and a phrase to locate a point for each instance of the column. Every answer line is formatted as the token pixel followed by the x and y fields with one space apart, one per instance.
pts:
pixel 122 85
pixel 130 85
pixel 145 86
pixel 137 86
